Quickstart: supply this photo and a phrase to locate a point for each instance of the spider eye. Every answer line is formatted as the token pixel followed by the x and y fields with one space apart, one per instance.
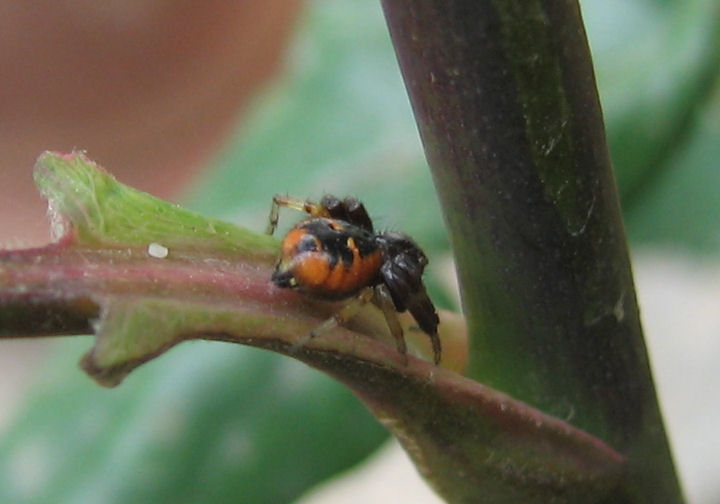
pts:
pixel 308 244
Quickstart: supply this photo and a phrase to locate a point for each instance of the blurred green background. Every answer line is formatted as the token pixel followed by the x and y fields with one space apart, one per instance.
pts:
pixel 216 423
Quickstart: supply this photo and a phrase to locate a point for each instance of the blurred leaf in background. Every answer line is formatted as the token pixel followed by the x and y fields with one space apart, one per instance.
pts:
pixel 657 65
pixel 211 422
pixel 339 122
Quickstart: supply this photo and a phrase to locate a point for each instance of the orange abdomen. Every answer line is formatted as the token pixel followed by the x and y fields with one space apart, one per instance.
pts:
pixel 317 275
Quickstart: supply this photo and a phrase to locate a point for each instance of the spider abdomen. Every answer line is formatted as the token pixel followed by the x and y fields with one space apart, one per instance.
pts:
pixel 328 259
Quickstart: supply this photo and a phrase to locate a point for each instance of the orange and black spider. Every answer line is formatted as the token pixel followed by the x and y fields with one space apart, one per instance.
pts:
pixel 335 254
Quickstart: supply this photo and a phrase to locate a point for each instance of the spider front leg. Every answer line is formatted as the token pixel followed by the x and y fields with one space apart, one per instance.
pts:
pixel 301 205
pixel 350 210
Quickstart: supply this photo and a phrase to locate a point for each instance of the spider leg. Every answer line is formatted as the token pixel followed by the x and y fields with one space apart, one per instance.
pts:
pixel 423 311
pixel 339 318
pixel 383 300
pixel 350 210
pixel 301 205
pixel 403 280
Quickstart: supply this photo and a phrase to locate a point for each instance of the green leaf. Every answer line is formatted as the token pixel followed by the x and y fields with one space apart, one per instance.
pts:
pixel 669 66
pixel 680 209
pixel 100 211
pixel 658 71
pixel 208 424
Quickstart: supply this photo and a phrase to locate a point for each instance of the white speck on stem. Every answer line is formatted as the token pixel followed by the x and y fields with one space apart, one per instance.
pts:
pixel 157 250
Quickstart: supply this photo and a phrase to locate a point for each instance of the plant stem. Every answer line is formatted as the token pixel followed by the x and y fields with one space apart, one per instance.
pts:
pixel 504 96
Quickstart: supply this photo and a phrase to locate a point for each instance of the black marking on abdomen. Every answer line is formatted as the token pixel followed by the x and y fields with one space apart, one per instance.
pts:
pixel 333 235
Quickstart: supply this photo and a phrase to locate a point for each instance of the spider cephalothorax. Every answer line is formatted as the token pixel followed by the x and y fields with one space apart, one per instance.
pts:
pixel 335 254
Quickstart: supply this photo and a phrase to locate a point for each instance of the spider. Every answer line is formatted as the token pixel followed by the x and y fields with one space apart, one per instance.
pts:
pixel 335 255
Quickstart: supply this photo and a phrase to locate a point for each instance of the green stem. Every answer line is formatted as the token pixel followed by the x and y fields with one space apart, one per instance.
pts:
pixel 505 100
